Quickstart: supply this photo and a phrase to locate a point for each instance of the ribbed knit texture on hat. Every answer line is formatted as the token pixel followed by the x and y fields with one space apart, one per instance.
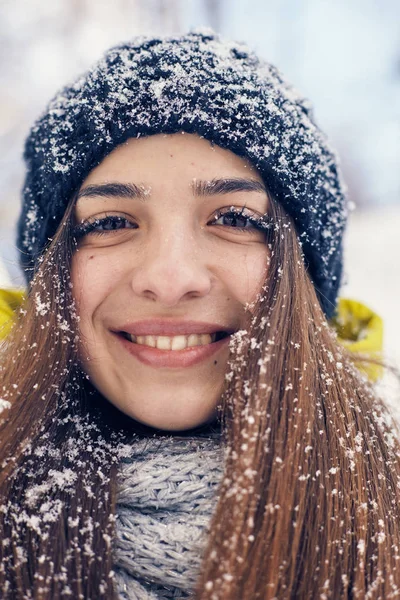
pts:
pixel 167 493
pixel 196 83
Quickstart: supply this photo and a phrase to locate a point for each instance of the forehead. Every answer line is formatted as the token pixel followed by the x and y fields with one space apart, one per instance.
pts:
pixel 180 158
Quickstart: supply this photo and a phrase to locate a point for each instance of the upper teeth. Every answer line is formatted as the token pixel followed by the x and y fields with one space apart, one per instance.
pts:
pixel 177 342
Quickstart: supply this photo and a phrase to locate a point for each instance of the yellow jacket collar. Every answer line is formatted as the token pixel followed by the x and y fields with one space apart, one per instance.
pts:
pixel 360 330
pixel 10 301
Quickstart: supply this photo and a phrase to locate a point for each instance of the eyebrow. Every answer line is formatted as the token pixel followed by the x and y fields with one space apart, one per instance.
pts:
pixel 227 186
pixel 200 188
pixel 114 190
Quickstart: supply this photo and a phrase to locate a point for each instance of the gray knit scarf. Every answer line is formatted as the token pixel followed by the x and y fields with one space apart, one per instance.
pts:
pixel 167 492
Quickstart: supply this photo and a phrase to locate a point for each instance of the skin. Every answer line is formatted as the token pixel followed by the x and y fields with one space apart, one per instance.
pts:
pixel 174 265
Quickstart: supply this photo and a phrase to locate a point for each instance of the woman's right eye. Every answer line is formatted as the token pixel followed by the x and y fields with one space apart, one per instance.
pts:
pixel 103 226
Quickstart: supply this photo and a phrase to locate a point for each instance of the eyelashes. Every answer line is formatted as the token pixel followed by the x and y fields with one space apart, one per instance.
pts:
pixel 239 219
pixel 235 219
pixel 109 223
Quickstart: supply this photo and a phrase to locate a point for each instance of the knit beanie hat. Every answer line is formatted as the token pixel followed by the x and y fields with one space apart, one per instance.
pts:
pixel 195 83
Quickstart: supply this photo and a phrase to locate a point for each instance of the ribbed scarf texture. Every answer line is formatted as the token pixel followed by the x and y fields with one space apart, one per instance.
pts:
pixel 166 496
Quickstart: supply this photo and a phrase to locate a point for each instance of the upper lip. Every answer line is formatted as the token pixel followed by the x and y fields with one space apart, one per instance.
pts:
pixel 171 328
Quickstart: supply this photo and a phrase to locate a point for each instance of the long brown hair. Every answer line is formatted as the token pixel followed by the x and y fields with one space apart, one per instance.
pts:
pixel 309 503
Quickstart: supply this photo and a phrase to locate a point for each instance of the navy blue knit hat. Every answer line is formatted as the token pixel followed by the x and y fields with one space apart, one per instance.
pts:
pixel 196 83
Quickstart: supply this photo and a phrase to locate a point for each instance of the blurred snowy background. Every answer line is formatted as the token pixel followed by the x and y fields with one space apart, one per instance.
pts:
pixel 344 55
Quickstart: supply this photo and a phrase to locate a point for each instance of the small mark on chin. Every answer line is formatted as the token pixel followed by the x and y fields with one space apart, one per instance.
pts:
pixel 215 362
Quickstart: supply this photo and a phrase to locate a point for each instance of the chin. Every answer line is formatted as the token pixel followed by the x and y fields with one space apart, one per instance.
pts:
pixel 173 426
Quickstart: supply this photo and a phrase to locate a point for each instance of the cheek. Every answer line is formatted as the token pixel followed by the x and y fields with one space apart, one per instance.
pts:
pixel 81 280
pixel 92 279
pixel 248 273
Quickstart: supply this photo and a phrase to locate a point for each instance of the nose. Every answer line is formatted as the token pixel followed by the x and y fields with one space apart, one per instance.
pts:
pixel 172 268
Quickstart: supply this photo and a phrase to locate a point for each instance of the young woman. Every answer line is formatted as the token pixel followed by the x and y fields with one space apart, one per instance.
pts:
pixel 180 414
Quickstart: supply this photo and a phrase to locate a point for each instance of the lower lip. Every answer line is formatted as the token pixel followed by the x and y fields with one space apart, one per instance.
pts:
pixel 172 358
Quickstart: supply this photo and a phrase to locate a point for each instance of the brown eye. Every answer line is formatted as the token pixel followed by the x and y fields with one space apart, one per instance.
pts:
pixel 238 220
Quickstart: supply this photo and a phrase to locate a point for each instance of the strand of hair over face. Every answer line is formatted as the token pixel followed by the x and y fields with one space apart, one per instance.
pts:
pixel 309 503
pixel 59 457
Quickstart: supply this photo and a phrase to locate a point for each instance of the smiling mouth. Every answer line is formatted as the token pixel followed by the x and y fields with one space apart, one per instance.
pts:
pixel 177 342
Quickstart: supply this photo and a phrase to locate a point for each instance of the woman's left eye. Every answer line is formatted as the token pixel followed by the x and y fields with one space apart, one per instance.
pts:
pixel 236 219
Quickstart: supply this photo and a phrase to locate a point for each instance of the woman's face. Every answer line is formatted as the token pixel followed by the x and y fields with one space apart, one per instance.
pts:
pixel 163 266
